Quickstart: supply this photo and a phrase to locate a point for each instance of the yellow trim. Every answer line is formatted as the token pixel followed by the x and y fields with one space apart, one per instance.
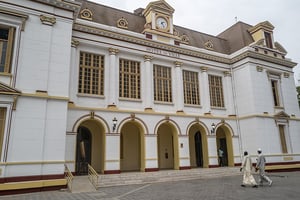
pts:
pixel 276 167
pixel 150 158
pixel 45 95
pixel 32 184
pixel 32 162
pixel 72 106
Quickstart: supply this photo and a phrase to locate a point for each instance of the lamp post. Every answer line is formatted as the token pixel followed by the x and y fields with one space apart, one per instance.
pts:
pixel 213 126
pixel 114 123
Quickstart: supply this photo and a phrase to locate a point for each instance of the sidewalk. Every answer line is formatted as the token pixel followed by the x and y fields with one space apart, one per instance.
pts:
pixel 212 186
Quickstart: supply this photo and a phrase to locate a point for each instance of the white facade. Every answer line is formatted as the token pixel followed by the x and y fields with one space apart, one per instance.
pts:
pixel 44 113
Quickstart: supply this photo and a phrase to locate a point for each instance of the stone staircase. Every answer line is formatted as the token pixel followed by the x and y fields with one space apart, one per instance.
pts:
pixel 127 178
pixel 82 184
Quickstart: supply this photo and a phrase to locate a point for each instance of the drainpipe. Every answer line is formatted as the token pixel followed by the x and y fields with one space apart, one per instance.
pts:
pixel 237 114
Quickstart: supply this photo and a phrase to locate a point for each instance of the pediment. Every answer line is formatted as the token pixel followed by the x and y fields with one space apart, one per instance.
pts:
pixel 281 115
pixel 7 90
pixel 159 6
pixel 266 25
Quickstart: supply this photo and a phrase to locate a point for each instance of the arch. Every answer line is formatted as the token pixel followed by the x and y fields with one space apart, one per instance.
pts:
pixel 88 117
pixel 132 144
pixel 167 144
pixel 198 146
pixel 97 129
pixel 224 142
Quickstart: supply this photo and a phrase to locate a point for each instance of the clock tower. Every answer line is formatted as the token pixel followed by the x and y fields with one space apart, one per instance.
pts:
pixel 159 21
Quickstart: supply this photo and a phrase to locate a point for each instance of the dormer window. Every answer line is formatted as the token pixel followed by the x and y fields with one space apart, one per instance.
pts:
pixel 268 40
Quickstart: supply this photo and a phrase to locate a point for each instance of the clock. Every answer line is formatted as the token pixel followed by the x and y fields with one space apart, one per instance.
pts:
pixel 161 23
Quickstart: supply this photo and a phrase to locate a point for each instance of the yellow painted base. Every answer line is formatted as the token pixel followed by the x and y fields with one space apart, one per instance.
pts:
pixel 283 167
pixel 32 184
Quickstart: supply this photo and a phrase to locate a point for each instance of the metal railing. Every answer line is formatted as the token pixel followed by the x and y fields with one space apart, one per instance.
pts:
pixel 69 176
pixel 93 176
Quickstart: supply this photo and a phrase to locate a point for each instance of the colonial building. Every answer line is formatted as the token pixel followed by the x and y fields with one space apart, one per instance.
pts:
pixel 82 83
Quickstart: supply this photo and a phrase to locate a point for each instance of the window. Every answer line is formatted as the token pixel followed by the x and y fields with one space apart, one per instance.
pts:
pixel 91 74
pixel 162 83
pixel 191 87
pixel 6 44
pixel 2 125
pixel 282 139
pixel 275 92
pixel 216 91
pixel 130 79
pixel 268 39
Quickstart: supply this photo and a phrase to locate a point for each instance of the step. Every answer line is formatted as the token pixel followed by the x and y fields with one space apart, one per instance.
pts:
pixel 128 178
pixel 82 184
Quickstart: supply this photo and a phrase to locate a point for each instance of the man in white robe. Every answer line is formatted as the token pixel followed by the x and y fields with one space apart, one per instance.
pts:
pixel 248 179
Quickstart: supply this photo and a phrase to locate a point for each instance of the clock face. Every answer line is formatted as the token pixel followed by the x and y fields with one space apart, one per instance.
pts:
pixel 161 23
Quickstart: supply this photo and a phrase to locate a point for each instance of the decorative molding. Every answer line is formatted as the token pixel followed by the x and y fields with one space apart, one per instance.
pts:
pixel 259 68
pixel 92 114
pixel 74 43
pixel 122 23
pixel 185 39
pixel 86 14
pixel 204 69
pixel 113 51
pixel 177 64
pixel 227 74
pixel 148 58
pixel 47 20
pixel 132 116
pixel 209 45
pixel 180 50
pixel 23 16
pixel 286 75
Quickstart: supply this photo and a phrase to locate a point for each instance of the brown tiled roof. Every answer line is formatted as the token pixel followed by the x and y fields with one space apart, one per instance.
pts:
pixel 229 41
pixel 237 36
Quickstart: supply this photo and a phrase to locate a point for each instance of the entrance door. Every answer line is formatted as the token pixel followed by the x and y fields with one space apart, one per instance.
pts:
pixel 198 149
pixel 130 155
pixel 223 146
pixel 83 150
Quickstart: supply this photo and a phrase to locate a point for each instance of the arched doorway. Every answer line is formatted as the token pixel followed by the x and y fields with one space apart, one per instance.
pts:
pixel 224 142
pixel 198 146
pixel 132 147
pixel 90 146
pixel 83 150
pixel 167 139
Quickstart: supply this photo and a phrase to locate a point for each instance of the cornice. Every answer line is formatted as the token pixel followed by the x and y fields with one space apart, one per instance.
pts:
pixel 64 4
pixel 180 50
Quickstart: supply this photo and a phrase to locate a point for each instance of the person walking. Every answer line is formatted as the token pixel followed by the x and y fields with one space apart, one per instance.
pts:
pixel 248 179
pixel 260 166
pixel 221 155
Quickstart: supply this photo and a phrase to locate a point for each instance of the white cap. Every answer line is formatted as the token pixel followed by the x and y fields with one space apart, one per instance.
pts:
pixel 259 149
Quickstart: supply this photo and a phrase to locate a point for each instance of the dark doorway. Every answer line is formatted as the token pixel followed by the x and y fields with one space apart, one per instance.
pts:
pixel 198 149
pixel 223 146
pixel 83 150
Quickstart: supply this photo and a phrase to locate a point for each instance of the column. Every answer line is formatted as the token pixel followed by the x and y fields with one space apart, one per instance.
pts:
pixel 73 83
pixel 228 93
pixel 113 78
pixel 179 86
pixel 205 87
pixel 148 85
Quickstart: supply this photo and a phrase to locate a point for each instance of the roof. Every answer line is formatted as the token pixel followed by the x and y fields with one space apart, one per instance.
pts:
pixel 227 42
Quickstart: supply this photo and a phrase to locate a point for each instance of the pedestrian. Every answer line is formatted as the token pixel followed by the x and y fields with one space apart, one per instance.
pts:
pixel 221 155
pixel 246 167
pixel 260 166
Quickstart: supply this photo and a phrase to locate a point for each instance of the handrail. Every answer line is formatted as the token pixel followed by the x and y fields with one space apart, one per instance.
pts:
pixel 69 176
pixel 93 176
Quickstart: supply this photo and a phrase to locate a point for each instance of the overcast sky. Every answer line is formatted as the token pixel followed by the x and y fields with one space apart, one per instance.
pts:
pixel 214 16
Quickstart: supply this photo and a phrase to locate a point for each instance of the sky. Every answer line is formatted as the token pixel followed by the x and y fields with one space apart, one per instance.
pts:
pixel 214 16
